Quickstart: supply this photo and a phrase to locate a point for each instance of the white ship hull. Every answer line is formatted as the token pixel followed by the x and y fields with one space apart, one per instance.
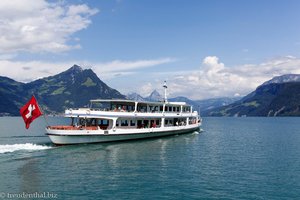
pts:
pixel 64 137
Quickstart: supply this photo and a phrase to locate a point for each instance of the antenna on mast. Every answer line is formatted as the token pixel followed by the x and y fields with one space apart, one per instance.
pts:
pixel 165 88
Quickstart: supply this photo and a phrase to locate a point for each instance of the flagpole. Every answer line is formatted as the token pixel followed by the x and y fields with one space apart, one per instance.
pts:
pixel 42 112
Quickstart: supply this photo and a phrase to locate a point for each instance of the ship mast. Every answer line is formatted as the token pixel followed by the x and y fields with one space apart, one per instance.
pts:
pixel 165 88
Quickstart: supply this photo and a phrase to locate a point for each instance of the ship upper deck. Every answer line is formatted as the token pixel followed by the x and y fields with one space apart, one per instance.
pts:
pixel 127 101
pixel 139 106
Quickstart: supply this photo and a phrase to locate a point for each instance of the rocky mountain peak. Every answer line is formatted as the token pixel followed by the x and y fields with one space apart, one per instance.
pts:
pixel 135 96
pixel 155 96
pixel 75 69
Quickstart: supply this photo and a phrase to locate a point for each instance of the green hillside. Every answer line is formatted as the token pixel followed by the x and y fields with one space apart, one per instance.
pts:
pixel 71 88
pixel 275 99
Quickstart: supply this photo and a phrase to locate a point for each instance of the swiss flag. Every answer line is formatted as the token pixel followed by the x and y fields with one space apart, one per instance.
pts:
pixel 30 111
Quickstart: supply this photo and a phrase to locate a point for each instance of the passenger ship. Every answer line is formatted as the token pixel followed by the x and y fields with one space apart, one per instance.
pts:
pixel 108 120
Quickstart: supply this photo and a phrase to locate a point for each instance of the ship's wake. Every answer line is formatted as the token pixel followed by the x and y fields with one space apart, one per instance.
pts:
pixel 8 148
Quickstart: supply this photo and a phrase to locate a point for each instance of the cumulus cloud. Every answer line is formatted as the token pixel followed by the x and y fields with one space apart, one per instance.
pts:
pixel 215 79
pixel 40 26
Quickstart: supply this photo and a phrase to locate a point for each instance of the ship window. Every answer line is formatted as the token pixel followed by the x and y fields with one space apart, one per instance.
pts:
pixel 124 123
pixel 150 108
pixel 174 109
pixel 142 108
pixel 82 121
pixel 177 109
pixel 103 122
pixel 146 123
pixel 192 120
pixel 132 122
pixel 157 122
pixel 161 108
pixel 170 109
pixel 91 122
pixel 140 124
pixel 130 108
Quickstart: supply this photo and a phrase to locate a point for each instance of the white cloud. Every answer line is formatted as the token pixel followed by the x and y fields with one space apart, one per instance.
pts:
pixel 214 79
pixel 146 89
pixel 116 67
pixel 25 71
pixel 40 26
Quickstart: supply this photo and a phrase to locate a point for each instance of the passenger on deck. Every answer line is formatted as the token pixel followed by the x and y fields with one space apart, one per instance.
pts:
pixel 153 125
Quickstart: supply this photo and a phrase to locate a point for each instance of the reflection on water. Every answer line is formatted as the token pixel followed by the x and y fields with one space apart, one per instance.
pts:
pixel 113 154
pixel 163 147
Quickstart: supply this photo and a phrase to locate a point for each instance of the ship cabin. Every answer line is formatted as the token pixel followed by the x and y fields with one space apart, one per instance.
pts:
pixel 128 114
pixel 140 107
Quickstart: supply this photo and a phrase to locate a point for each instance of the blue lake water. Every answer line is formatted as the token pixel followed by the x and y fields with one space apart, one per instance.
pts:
pixel 233 158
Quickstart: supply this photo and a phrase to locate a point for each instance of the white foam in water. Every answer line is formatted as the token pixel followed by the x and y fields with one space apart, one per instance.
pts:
pixel 7 148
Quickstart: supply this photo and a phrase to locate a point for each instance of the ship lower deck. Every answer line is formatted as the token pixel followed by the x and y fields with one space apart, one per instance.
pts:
pixel 63 137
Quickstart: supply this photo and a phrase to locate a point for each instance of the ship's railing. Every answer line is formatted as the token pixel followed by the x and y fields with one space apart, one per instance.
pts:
pixel 88 110
pixel 132 111
pixel 77 127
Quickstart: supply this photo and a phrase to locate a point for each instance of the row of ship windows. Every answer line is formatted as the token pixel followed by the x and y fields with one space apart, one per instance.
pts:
pixel 141 123
pixel 154 123
pixel 130 108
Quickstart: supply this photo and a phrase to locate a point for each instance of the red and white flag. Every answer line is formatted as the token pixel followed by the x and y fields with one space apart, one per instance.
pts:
pixel 30 111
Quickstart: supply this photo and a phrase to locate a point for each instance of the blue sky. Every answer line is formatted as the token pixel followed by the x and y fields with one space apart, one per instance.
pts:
pixel 204 48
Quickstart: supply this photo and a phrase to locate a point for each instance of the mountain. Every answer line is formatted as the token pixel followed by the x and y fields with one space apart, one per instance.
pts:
pixel 206 104
pixel 11 94
pixel 184 99
pixel 154 96
pixel 135 96
pixel 277 97
pixel 71 88
pixel 209 104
